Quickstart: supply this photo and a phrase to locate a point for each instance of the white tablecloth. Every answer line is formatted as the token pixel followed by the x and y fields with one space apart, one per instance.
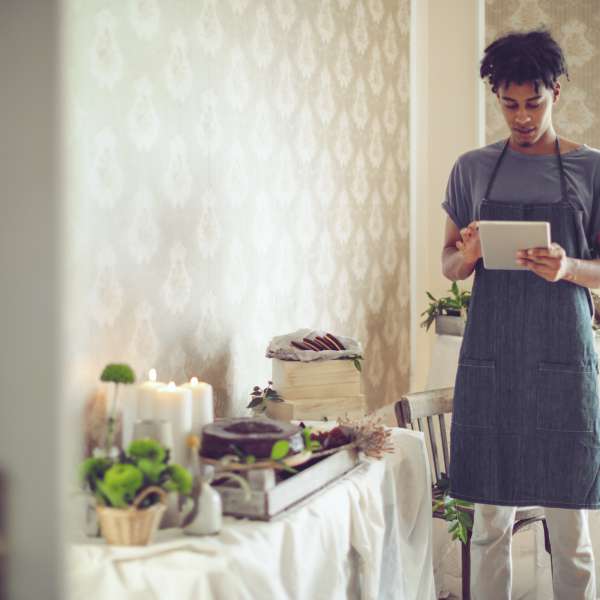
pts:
pixel 367 536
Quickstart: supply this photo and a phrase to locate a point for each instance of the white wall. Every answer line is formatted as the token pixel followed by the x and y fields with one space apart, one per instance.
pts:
pixel 30 361
pixel 445 123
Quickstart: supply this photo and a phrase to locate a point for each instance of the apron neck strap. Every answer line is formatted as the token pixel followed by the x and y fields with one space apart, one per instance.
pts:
pixel 495 171
pixel 563 177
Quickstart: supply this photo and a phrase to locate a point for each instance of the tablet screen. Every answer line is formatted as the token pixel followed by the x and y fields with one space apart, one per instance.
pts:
pixel 501 240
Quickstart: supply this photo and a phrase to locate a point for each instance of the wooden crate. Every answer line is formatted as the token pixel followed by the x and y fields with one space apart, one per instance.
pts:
pixel 265 504
pixel 288 373
pixel 319 392
pixel 317 409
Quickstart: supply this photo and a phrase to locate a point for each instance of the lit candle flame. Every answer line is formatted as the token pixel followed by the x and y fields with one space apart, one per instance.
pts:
pixel 194 381
pixel 152 375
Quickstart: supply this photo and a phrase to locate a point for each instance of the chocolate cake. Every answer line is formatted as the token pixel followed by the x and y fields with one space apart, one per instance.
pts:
pixel 250 435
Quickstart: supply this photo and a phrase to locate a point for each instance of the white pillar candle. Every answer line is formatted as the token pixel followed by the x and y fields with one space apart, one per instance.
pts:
pixel 202 404
pixel 146 393
pixel 174 404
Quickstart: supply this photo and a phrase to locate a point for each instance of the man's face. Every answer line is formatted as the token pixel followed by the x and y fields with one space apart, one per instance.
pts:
pixel 528 112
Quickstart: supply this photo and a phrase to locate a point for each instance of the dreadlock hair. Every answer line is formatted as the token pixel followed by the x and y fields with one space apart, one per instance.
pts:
pixel 518 57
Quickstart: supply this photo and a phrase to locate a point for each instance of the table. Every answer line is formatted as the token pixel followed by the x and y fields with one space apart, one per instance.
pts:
pixel 367 536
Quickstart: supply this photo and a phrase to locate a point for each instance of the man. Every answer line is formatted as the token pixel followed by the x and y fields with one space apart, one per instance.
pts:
pixel 526 424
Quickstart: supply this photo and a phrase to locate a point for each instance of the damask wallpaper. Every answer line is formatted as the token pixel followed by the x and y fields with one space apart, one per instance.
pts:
pixel 236 169
pixel 576 26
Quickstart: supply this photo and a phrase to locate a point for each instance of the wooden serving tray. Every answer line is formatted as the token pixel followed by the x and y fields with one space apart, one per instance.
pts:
pixel 265 504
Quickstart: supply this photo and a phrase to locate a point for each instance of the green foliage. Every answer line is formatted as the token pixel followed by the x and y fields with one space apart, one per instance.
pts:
pixel 457 303
pixel 357 363
pixel 120 484
pixel 146 448
pixel 258 397
pixel 180 479
pixel 280 449
pixel 309 443
pixel 152 471
pixel 118 373
pixel 93 469
pixel 456 512
pixel 118 481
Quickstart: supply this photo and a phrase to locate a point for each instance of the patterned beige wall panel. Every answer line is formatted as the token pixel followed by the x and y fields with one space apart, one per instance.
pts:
pixel 576 26
pixel 236 169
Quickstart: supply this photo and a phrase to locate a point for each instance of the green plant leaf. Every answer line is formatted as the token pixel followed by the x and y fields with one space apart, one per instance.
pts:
pixel 357 364
pixel 462 534
pixel 463 503
pixel 280 449
pixel 306 433
pixel 256 401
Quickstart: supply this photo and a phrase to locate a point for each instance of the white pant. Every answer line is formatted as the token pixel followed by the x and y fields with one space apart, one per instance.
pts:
pixel 573 575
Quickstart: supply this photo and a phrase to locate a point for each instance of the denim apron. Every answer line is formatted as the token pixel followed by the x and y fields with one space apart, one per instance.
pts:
pixel 525 424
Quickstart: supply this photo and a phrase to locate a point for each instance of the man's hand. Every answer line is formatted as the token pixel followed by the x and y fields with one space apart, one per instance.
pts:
pixel 552 264
pixel 470 246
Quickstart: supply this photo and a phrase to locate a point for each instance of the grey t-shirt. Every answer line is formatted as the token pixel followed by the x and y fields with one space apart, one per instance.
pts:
pixel 525 178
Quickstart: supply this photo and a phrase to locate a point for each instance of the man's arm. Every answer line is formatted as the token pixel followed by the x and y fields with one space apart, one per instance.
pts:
pixel 553 264
pixel 459 254
pixel 583 272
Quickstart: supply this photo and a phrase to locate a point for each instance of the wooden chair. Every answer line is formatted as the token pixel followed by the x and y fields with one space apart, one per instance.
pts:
pixel 419 411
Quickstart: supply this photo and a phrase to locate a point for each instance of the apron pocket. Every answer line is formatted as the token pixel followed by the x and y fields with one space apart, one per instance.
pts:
pixel 474 392
pixel 567 397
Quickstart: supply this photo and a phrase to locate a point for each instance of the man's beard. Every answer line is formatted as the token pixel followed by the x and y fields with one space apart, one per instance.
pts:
pixel 525 144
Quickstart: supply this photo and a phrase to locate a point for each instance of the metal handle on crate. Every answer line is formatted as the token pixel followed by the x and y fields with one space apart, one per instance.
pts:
pixel 153 489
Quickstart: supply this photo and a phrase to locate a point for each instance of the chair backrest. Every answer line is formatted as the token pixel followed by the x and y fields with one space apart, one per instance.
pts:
pixel 431 406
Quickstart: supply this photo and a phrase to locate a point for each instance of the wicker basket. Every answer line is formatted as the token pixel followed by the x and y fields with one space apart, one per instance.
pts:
pixel 132 526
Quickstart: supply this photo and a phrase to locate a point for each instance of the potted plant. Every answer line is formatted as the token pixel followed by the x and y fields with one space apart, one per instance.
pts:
pixel 259 398
pixel 130 490
pixel 449 312
pixel 119 374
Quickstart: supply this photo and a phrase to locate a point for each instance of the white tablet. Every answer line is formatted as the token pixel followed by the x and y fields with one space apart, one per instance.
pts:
pixel 500 241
